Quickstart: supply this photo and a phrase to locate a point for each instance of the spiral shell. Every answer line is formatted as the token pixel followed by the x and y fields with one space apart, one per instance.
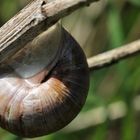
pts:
pixel 43 101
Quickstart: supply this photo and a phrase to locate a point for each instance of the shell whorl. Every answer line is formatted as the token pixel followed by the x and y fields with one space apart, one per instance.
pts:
pixel 50 99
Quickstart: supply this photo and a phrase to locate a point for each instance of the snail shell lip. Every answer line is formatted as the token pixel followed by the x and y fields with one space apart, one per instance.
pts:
pixel 50 99
pixel 38 54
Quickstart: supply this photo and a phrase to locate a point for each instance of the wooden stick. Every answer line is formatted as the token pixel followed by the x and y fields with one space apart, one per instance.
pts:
pixel 110 57
pixel 40 15
pixel 32 20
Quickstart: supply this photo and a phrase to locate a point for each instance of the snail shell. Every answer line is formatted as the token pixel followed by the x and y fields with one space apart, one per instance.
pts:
pixel 44 85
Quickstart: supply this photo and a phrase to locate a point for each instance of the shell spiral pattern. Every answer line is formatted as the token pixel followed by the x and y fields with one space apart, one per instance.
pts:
pixel 49 100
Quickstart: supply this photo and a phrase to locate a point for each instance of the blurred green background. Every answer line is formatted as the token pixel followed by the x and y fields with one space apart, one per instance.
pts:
pixel 112 109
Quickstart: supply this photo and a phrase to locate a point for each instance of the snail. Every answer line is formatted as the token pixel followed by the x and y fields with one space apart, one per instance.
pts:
pixel 44 85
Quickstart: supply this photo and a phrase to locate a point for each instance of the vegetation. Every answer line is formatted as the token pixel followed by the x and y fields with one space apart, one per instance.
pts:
pixel 112 109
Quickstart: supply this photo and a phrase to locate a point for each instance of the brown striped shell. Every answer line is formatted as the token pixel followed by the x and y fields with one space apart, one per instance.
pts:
pixel 43 101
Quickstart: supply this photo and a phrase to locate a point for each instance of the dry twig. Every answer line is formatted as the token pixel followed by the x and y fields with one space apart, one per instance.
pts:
pixel 99 115
pixel 40 15
pixel 110 57
pixel 32 20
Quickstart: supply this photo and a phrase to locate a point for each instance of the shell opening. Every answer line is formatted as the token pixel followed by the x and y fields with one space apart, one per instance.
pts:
pixel 39 54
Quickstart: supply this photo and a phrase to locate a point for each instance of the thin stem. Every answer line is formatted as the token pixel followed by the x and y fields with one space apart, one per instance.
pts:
pixel 113 56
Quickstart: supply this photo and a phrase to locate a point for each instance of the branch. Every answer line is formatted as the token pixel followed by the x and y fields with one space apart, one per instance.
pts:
pixel 110 57
pixel 96 116
pixel 114 111
pixel 32 20
pixel 39 16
